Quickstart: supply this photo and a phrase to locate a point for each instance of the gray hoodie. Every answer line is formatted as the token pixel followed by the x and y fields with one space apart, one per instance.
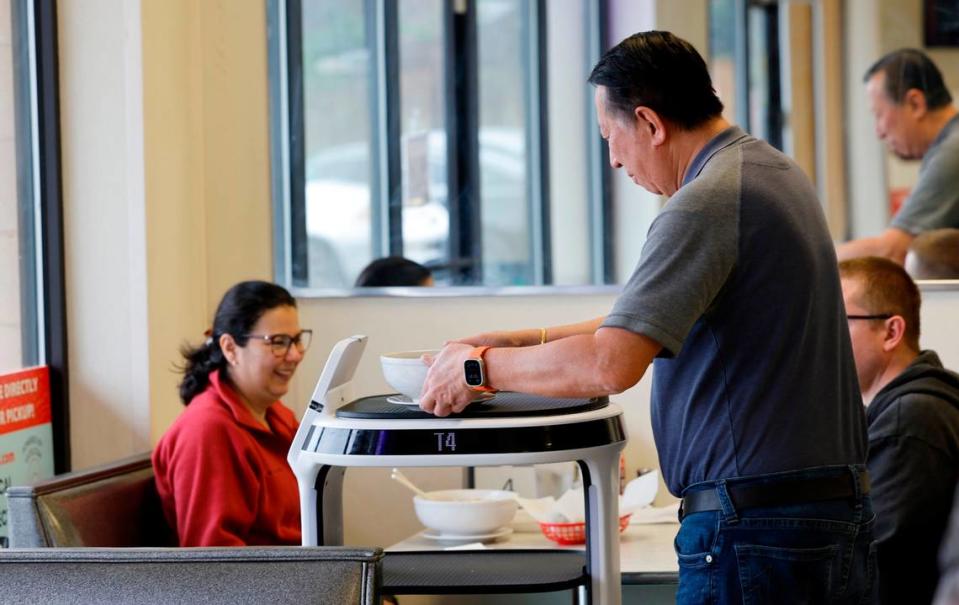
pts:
pixel 914 466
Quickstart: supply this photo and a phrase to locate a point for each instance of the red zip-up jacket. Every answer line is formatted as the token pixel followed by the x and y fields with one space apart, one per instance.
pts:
pixel 223 477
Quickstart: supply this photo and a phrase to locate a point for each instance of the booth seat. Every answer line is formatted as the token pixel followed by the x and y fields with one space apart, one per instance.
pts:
pixel 111 505
pixel 99 536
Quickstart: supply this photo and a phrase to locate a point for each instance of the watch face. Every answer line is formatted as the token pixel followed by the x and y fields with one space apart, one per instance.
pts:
pixel 474 372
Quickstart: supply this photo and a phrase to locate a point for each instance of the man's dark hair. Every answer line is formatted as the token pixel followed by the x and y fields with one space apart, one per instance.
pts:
pixel 392 271
pixel 886 288
pixel 935 255
pixel 661 71
pixel 909 68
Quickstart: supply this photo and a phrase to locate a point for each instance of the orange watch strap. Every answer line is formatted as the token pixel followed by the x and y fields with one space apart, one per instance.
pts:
pixel 478 353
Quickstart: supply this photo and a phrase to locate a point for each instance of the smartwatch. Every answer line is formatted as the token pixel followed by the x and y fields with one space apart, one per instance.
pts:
pixel 474 371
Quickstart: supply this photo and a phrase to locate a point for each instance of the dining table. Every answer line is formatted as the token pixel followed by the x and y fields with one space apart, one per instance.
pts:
pixel 646 549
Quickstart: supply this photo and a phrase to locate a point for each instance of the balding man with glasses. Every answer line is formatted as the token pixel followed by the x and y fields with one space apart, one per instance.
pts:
pixel 912 409
pixel 916 119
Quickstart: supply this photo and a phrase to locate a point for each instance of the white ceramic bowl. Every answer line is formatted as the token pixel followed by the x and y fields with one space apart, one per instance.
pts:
pixel 465 512
pixel 405 371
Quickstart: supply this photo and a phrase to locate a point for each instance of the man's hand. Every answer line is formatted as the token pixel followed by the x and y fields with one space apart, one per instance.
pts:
pixel 891 243
pixel 445 391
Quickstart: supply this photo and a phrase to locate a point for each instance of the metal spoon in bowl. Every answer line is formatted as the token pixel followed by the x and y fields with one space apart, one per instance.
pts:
pixel 399 477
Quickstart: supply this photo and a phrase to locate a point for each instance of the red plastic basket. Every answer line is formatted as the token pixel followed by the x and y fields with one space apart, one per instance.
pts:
pixel 574 533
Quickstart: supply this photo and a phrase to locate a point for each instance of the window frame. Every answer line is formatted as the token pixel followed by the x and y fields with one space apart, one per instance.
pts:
pixel 743 53
pixel 461 114
pixel 36 63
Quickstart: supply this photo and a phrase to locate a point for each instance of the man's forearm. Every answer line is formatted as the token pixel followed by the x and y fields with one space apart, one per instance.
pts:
pixel 584 327
pixel 892 244
pixel 583 365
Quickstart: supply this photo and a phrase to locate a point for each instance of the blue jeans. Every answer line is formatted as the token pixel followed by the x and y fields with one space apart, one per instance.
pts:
pixel 814 552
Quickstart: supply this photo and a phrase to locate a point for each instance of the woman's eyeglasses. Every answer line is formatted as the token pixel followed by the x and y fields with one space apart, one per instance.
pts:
pixel 280 343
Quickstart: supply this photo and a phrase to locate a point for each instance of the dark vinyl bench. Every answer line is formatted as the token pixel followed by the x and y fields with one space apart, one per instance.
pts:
pixel 99 536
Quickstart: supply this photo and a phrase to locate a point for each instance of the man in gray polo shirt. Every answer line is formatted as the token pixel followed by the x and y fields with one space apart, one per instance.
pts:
pixel 916 118
pixel 756 409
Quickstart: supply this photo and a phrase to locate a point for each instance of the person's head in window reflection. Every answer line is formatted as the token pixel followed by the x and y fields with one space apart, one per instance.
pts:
pixel 393 271
pixel 934 255
pixel 908 99
pixel 221 469
pixel 647 114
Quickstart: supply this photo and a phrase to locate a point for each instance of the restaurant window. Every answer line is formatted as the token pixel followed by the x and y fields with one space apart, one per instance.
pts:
pixel 423 128
pixel 32 309
pixel 19 342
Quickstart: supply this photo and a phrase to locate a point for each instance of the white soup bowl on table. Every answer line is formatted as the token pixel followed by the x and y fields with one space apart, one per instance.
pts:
pixel 465 512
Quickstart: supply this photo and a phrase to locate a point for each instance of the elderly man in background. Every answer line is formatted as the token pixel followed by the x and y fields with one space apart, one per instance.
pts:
pixel 913 415
pixel 917 120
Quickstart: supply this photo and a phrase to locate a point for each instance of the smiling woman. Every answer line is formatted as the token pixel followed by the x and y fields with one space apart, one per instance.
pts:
pixel 221 469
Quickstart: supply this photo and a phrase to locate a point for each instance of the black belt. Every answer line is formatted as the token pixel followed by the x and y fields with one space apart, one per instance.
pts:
pixel 779 493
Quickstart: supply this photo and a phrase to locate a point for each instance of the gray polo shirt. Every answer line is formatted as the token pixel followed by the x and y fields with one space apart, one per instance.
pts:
pixel 738 281
pixel 934 202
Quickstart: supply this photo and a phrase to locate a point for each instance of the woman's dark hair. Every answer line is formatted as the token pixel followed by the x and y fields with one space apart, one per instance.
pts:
pixel 392 271
pixel 661 71
pixel 908 68
pixel 238 311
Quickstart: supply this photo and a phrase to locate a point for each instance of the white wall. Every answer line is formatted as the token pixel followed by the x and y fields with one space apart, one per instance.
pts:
pixel 207 177
pixel 174 152
pixel 166 198
pixel 939 328
pixel 568 131
pixel 101 97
